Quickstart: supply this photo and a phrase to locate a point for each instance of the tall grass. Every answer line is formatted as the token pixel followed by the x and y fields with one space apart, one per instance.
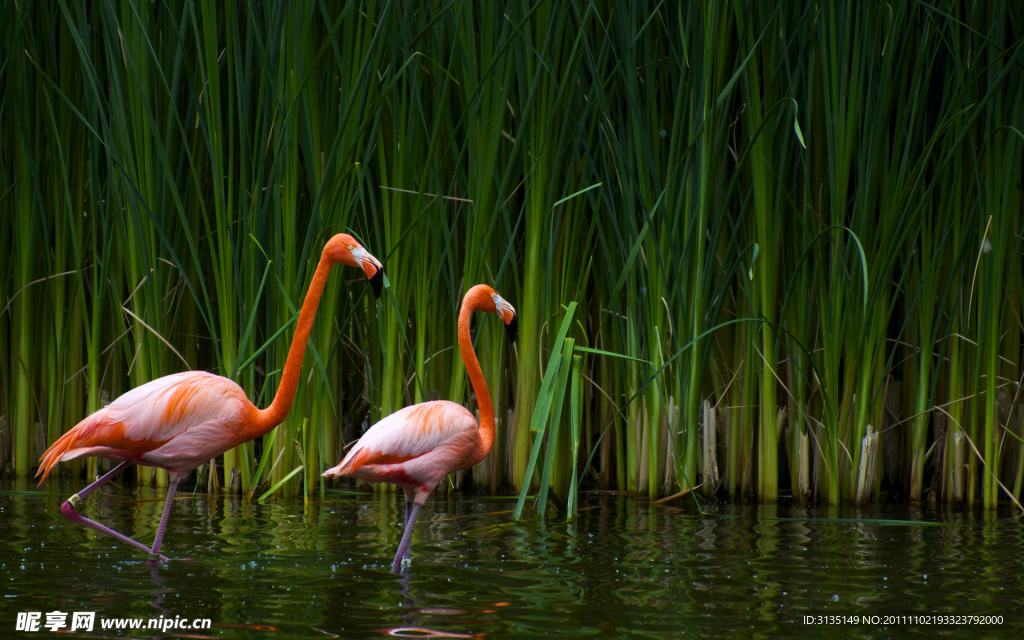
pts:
pixel 767 249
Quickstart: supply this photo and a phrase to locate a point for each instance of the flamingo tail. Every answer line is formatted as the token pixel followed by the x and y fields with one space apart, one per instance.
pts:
pixel 63 445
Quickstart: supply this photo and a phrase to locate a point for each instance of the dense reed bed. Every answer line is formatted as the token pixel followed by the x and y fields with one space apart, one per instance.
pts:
pixel 755 250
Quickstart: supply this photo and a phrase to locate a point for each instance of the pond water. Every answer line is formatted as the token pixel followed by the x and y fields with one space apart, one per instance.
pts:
pixel 626 568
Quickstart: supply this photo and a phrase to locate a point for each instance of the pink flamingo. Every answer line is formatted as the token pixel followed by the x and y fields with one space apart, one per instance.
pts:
pixel 416 447
pixel 180 421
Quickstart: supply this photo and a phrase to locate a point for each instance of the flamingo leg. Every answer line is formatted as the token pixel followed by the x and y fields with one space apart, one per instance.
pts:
pixel 154 555
pixel 403 548
pixel 100 481
pixel 410 498
pixel 70 511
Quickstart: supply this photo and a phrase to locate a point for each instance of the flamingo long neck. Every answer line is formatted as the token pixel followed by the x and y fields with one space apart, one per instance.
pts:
pixel 267 419
pixel 476 378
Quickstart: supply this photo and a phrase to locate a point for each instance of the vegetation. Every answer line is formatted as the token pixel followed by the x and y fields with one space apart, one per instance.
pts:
pixel 755 249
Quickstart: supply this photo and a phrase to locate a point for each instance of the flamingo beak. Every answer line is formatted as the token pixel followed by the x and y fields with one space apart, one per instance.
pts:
pixel 512 328
pixel 377 281
pixel 372 267
pixel 508 315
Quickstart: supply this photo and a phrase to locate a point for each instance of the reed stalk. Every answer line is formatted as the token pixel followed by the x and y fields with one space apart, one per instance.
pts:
pixel 837 181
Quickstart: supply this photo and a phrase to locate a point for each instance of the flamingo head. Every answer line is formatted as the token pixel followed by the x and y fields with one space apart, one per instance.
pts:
pixel 507 313
pixel 345 249
pixel 483 298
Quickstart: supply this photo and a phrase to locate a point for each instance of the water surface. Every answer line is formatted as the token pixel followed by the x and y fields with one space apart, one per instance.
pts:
pixel 625 568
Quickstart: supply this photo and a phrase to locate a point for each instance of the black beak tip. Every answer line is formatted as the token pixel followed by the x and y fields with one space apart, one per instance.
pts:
pixel 377 281
pixel 513 329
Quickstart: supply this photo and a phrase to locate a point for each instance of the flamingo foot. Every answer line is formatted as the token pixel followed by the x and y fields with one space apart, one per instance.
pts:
pixel 153 562
pixel 403 558
pixel 156 559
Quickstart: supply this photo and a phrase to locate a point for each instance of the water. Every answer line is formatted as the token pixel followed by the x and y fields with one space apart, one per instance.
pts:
pixel 626 569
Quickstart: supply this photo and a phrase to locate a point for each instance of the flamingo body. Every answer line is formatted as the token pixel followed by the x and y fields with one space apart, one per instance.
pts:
pixel 176 423
pixel 415 447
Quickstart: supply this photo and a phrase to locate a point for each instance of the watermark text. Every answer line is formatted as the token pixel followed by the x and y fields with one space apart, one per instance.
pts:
pixel 54 621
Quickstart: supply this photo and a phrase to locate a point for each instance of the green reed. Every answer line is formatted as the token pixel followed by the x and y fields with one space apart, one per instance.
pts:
pixel 800 223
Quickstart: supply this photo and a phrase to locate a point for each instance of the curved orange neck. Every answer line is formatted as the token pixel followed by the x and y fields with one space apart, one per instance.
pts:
pixel 267 419
pixel 476 378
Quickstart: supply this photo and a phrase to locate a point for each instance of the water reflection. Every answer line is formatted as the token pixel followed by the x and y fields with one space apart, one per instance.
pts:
pixel 625 569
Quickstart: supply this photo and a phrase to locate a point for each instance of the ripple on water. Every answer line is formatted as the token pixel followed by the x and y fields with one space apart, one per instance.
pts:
pixel 624 569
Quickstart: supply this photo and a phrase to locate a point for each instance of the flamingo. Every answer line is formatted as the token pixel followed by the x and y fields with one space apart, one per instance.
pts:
pixel 416 447
pixel 180 421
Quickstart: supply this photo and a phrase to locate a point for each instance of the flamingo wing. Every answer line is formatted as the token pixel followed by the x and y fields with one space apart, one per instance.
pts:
pixel 176 418
pixel 407 434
